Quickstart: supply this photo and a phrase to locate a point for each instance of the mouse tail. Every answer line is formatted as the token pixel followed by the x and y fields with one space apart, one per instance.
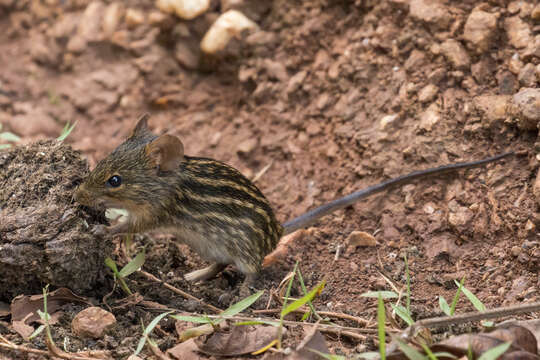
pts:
pixel 310 217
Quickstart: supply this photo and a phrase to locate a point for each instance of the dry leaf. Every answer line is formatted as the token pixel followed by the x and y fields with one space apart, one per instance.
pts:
pixel 239 340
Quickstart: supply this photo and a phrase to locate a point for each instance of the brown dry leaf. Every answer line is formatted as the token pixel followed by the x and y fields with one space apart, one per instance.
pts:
pixel 532 325
pixel 313 340
pixel 521 339
pixel 184 351
pixel 25 307
pixel 22 329
pixel 239 340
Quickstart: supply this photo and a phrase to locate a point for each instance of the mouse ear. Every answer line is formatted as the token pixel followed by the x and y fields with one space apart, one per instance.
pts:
pixel 166 152
pixel 141 128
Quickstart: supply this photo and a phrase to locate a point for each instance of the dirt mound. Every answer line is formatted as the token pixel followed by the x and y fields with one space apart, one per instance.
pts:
pixel 44 237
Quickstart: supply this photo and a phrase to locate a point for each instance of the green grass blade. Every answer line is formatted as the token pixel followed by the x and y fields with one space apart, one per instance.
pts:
pixel 327 356
pixel 381 320
pixel 134 265
pixel 495 352
pixel 36 332
pixel 402 312
pixel 456 297
pixel 383 294
pixel 66 131
pixel 154 322
pixel 111 265
pixel 473 299
pixel 444 305
pixel 9 136
pixel 303 300
pixel 242 304
pixel 193 319
pixel 369 355
pixel 4 146
pixel 410 351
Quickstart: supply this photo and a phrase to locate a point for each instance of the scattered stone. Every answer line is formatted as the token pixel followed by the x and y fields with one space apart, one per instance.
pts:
pixel 275 70
pixel 535 13
pixel 427 93
pixel 527 75
pixel 112 18
pixel 515 251
pixel 430 12
pixel 65 27
pixel 430 117
pixel 134 17
pixel 92 322
pixel 247 146
pixel 185 9
pixel 519 34
pixel 387 120
pixel 494 107
pixel 456 54
pixel 480 30
pixel 508 83
pixel 188 56
pixel 460 217
pixel 484 70
pixel 228 25
pixel 527 108
pixel 415 61
pixel 44 51
pixel 360 238
pixel 90 24
pixel 296 81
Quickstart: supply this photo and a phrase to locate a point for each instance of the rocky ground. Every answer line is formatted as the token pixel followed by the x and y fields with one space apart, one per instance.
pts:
pixel 331 96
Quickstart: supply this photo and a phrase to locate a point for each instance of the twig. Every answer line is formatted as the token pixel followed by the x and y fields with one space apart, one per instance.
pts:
pixel 178 291
pixel 322 313
pixel 6 344
pixel 262 172
pixel 476 316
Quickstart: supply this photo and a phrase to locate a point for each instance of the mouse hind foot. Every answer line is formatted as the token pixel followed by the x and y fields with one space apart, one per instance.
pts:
pixel 205 274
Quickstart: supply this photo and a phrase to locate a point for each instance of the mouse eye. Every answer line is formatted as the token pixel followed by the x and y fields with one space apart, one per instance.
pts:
pixel 114 181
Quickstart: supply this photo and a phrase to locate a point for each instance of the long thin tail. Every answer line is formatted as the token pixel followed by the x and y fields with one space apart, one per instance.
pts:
pixel 313 215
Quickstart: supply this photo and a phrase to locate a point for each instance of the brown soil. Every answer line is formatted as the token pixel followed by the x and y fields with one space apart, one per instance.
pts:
pixel 335 96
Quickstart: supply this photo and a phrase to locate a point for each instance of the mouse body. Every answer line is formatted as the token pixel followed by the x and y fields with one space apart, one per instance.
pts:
pixel 206 204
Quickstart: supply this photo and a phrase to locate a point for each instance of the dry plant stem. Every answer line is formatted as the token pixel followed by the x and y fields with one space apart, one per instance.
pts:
pixel 476 316
pixel 6 344
pixel 56 352
pixel 322 313
pixel 178 291
pixel 336 329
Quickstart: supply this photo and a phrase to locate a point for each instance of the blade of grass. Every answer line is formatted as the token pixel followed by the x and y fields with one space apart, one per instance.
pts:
pixel 402 312
pixel 66 131
pixel 495 352
pixel 135 264
pixel 302 301
pixel 456 297
pixel 381 319
pixel 311 307
pixel 242 304
pixel 148 330
pixel 410 352
pixel 444 306
pixel 472 298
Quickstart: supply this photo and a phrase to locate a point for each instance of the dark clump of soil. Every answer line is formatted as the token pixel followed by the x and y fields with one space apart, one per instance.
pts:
pixel 44 237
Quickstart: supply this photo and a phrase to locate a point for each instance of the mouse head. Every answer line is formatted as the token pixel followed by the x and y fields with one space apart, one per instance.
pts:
pixel 135 173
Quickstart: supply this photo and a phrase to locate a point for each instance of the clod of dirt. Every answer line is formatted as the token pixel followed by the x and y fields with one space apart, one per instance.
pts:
pixel 44 237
